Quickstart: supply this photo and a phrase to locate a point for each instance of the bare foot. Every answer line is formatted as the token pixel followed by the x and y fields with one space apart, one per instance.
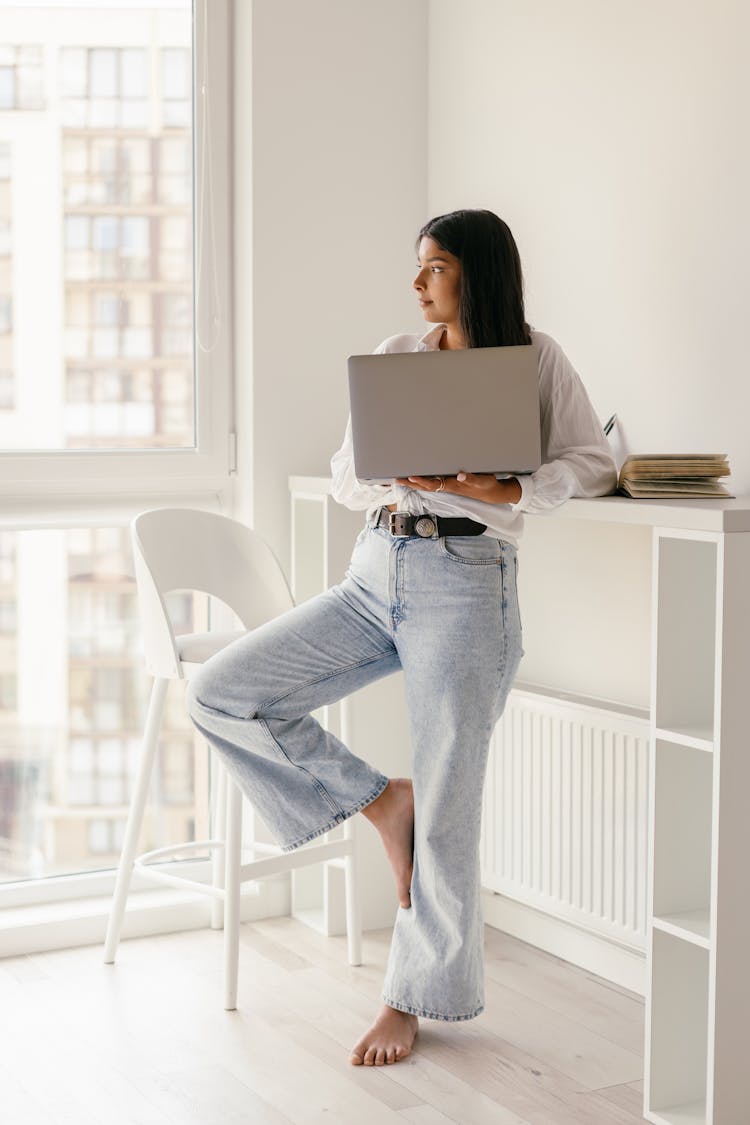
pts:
pixel 392 813
pixel 389 1039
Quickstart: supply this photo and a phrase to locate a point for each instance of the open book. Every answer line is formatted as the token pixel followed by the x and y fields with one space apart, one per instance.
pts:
pixel 661 475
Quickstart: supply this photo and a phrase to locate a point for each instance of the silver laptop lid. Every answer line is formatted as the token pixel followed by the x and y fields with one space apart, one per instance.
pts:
pixel 432 412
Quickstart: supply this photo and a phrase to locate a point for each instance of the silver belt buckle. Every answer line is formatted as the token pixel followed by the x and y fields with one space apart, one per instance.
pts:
pixel 392 523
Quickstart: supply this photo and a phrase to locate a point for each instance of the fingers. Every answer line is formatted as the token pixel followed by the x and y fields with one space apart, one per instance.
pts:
pixel 431 484
pixel 465 483
pixel 428 484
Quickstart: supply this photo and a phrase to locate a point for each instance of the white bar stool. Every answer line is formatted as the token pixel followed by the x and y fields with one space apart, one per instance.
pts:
pixel 186 549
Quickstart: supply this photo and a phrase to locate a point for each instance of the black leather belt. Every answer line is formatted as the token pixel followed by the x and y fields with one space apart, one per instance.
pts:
pixel 426 525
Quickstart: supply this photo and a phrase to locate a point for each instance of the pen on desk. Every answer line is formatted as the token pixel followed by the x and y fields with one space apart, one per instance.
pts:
pixel 608 426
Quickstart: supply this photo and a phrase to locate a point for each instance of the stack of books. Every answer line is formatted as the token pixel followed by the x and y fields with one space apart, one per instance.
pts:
pixel 656 475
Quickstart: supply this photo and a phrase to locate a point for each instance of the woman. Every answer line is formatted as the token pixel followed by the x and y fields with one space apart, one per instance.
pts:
pixel 439 602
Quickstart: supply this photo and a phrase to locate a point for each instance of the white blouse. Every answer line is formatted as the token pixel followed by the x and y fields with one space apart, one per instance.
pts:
pixel 576 457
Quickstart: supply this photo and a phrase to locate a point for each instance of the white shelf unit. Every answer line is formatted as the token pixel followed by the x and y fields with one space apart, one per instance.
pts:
pixel 698 983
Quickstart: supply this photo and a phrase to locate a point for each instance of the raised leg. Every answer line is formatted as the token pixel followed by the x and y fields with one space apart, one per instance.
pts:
pixel 254 702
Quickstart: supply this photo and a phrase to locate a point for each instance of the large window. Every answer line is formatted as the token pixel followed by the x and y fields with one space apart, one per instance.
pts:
pixel 113 318
pixel 115 394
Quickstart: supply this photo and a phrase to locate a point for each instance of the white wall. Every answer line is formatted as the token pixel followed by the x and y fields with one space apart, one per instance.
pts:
pixel 330 190
pixel 609 136
pixel 612 138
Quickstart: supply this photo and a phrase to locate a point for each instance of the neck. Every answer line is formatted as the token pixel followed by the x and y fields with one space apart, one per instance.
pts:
pixel 452 338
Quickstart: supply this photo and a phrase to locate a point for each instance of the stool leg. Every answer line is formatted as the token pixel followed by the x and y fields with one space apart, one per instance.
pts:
pixel 351 893
pixel 351 865
pixel 218 832
pixel 135 817
pixel 232 895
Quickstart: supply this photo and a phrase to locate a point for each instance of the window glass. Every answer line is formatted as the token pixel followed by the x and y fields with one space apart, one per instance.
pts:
pixel 70 635
pixel 6 315
pixel 5 236
pixel 21 77
pixel 6 390
pixel 7 88
pixel 111 85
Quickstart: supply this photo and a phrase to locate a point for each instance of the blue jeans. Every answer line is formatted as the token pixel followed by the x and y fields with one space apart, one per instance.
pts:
pixel 445 610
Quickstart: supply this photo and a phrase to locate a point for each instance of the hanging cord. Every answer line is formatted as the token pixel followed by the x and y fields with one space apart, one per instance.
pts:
pixel 206 200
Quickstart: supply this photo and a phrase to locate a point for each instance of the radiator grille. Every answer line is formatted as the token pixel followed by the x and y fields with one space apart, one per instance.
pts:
pixel 566 812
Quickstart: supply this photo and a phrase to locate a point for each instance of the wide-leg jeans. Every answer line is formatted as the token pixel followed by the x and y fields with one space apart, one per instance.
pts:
pixel 445 610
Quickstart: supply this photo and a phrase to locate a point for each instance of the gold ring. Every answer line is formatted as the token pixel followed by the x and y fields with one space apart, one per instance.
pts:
pixel 441 486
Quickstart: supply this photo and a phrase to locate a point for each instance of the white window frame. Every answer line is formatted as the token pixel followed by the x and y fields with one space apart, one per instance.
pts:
pixel 44 475
pixel 65 489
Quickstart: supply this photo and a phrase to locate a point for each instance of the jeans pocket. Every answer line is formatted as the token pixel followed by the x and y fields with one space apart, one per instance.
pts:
pixel 472 549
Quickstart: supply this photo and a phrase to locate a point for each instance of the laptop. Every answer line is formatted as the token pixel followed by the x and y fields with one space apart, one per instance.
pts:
pixel 438 412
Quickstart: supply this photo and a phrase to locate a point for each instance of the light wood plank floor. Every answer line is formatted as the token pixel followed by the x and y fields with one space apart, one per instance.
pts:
pixel 147 1042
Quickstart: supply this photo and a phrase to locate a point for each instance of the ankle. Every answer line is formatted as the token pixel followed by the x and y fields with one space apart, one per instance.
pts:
pixel 377 808
pixel 389 1010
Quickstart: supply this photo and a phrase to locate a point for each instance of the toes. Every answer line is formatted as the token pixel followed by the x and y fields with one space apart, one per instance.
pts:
pixel 390 1055
pixel 358 1052
pixel 370 1056
pixel 380 1056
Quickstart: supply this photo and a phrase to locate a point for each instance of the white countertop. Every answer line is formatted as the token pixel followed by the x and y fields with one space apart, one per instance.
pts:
pixel 694 514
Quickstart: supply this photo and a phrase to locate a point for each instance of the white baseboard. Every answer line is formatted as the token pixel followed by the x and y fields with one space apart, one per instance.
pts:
pixel 75 922
pixel 620 964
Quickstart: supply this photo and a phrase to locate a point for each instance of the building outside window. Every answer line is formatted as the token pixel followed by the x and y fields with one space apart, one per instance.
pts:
pixel 109 223
pixel 72 705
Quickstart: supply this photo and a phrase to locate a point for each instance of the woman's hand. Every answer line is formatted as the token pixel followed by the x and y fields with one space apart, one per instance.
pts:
pixel 479 486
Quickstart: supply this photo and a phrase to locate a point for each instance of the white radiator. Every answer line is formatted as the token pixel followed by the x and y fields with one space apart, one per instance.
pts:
pixel 566 812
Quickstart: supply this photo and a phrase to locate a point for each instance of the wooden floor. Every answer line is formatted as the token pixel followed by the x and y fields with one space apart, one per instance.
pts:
pixel 147 1042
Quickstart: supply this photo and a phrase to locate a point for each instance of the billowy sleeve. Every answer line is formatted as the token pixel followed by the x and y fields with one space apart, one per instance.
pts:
pixel 576 457
pixel 346 488
pixel 351 492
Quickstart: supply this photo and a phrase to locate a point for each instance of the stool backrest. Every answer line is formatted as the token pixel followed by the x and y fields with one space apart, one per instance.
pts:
pixel 187 549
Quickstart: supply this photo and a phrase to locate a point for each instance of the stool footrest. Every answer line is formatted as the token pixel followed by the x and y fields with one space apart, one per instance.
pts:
pixel 332 852
pixel 189 846
pixel 300 857
pixel 140 864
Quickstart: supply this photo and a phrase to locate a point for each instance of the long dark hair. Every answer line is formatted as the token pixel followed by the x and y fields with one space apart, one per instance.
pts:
pixel 490 312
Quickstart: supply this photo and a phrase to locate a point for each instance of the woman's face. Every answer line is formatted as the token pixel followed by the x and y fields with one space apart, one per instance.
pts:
pixel 438 283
